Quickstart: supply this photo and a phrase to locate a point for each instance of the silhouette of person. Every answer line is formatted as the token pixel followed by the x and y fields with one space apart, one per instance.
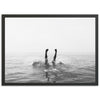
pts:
pixel 54 58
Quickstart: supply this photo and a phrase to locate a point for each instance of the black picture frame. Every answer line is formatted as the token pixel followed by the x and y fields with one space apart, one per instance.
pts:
pixel 47 16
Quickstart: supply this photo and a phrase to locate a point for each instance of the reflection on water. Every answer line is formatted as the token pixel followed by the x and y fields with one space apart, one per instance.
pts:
pixel 71 69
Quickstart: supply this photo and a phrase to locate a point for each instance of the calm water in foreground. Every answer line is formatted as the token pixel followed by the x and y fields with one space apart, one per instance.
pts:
pixel 73 69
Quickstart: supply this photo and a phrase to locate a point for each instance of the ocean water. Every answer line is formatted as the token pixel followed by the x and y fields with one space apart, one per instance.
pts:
pixel 69 69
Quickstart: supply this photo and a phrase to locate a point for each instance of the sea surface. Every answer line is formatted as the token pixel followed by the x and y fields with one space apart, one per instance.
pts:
pixel 69 69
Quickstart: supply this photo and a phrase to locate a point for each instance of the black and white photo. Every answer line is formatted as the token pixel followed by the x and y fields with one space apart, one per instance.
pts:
pixel 49 49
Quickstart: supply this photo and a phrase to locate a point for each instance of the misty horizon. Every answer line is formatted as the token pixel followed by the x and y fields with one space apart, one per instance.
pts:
pixel 37 34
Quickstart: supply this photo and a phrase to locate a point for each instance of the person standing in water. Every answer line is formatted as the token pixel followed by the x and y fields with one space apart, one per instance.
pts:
pixel 54 58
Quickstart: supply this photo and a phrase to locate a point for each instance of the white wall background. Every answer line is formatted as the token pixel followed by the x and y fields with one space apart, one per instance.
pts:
pixel 49 7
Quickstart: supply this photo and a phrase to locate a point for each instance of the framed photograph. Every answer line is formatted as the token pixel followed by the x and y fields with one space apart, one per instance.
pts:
pixel 53 50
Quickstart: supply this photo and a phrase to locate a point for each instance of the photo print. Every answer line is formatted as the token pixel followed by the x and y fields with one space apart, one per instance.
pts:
pixel 49 49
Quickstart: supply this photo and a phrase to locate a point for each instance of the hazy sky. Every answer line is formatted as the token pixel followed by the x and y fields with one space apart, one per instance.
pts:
pixel 75 35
